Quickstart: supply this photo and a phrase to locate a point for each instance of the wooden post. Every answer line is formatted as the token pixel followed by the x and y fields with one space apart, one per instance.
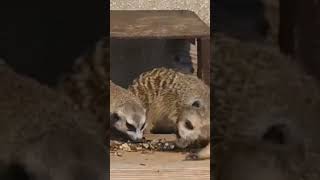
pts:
pixel 203 46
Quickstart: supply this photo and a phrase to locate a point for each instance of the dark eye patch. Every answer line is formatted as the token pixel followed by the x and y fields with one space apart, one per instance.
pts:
pixel 196 104
pixel 188 125
pixel 115 116
pixel 130 127
pixel 144 124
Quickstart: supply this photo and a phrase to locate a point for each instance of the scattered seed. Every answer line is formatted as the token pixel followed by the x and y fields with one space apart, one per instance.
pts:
pixel 145 145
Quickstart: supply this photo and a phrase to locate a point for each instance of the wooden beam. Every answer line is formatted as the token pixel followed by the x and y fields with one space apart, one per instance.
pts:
pixel 168 24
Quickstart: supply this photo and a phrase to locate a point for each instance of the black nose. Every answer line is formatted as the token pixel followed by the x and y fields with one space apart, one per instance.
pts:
pixel 139 140
pixel 188 125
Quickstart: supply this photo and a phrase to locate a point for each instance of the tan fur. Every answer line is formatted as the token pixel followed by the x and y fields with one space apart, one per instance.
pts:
pixel 171 88
pixel 167 95
pixel 120 96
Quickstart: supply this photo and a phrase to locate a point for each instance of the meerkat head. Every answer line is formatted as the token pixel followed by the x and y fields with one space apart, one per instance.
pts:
pixel 193 125
pixel 182 64
pixel 130 120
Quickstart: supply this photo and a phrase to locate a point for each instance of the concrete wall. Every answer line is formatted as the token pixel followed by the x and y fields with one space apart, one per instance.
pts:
pixel 200 7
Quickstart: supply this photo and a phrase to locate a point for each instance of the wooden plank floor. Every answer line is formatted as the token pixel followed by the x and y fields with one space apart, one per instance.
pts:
pixel 156 166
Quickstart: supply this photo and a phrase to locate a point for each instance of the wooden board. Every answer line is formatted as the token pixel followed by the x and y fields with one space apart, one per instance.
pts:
pixel 156 166
pixel 157 24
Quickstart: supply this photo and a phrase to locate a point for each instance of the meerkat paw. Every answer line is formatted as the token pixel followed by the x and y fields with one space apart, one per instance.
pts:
pixel 201 155
pixel 193 156
pixel 197 156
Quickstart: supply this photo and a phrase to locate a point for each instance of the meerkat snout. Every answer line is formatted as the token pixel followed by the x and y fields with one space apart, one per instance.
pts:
pixel 135 127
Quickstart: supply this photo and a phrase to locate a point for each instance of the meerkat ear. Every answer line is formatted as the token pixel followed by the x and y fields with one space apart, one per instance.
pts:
pixel 196 104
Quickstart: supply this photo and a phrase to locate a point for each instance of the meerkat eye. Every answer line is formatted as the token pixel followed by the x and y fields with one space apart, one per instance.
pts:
pixel 188 125
pixel 144 124
pixel 130 127
pixel 115 116
pixel 196 104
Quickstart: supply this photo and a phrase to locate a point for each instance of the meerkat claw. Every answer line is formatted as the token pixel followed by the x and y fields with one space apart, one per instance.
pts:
pixel 192 156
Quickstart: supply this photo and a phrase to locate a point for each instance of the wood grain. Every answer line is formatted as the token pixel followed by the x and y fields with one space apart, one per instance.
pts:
pixel 174 24
pixel 157 165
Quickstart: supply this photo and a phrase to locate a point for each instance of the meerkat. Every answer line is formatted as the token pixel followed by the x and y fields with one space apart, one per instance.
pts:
pixel 127 115
pixel 169 95
pixel 86 85
pixel 42 135
pixel 260 93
